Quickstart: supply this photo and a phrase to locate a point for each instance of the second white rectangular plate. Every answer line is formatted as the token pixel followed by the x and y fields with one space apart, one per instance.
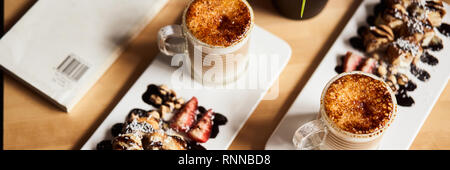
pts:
pixel 409 120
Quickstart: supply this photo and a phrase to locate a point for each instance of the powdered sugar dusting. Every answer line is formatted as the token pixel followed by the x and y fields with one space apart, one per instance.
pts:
pixel 415 26
pixel 406 45
pixel 138 127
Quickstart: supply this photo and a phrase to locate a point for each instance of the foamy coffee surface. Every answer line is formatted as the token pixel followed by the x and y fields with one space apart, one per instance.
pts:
pixel 358 104
pixel 218 22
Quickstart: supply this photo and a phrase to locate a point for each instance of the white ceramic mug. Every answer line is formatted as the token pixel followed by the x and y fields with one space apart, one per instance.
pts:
pixel 226 63
pixel 322 133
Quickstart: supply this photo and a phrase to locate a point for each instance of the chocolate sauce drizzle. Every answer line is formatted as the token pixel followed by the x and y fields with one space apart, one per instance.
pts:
pixel 421 74
pixel 153 89
pixel 104 145
pixel 218 120
pixel 371 20
pixel 403 99
pixel 411 86
pixel 379 8
pixel 429 59
pixel 117 129
pixel 444 29
pixel 357 43
pixel 340 66
pixel 435 46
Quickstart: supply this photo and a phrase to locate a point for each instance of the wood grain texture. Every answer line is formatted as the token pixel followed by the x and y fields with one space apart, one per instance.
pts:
pixel 31 122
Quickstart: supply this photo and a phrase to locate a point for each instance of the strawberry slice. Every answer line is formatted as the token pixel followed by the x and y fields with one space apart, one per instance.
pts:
pixel 186 117
pixel 351 62
pixel 202 130
pixel 369 65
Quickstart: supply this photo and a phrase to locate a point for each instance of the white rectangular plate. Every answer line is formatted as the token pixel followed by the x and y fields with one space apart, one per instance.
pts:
pixel 236 104
pixel 406 126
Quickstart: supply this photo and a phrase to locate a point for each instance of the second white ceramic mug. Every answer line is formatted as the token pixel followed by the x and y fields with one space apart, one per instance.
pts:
pixel 322 133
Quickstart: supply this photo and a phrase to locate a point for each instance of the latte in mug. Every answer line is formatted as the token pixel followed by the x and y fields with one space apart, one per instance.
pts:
pixel 356 109
pixel 219 23
pixel 217 38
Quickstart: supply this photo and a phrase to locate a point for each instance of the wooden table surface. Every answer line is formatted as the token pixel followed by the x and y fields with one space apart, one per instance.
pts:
pixel 31 122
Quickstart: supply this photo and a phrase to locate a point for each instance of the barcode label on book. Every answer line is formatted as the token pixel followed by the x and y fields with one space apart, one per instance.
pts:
pixel 73 68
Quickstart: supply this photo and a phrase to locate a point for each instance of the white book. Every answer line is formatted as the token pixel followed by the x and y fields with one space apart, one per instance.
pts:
pixel 62 47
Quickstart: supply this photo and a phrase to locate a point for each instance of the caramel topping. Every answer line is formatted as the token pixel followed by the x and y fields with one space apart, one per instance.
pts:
pixel 358 104
pixel 218 22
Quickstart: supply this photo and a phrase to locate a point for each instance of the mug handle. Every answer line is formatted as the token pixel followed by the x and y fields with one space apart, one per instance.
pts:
pixel 310 135
pixel 169 40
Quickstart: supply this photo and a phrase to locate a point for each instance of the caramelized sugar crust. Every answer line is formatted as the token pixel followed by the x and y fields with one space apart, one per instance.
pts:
pixel 218 22
pixel 358 104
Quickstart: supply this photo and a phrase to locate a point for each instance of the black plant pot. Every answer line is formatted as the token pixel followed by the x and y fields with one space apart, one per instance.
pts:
pixel 292 8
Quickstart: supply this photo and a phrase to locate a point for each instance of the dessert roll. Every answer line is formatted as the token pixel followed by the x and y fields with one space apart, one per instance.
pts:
pixel 436 12
pixel 127 142
pixel 151 118
pixel 161 141
pixel 394 17
pixel 419 30
pixel 432 11
pixel 404 51
pixel 377 37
